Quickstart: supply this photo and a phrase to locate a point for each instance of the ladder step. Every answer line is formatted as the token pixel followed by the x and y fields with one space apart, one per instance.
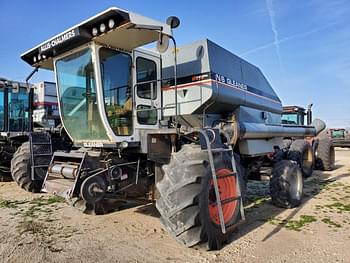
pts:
pixel 227 200
pixel 41 143
pixel 42 154
pixel 226 175
pixel 40 166
pixel 220 150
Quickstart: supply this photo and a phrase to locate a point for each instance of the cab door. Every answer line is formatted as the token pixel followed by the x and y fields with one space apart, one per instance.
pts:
pixel 147 90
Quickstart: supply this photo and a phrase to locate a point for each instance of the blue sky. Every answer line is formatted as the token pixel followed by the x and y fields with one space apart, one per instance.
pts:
pixel 303 47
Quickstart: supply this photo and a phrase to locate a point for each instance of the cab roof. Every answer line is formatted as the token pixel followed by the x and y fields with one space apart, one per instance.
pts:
pixel 292 109
pixel 6 83
pixel 129 30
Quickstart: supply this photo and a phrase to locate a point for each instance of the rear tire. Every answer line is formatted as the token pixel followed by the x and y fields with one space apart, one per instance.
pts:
pixel 325 155
pixel 286 184
pixel 187 201
pixel 302 153
pixel 21 170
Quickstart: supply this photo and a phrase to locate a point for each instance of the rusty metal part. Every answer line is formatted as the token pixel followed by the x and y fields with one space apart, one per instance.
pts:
pixel 232 129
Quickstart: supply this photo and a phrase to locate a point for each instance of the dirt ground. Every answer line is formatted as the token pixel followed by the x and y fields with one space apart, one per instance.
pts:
pixel 42 228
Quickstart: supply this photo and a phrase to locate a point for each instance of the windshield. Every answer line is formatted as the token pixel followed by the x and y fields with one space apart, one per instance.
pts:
pixel 77 92
pixel 116 83
pixel 292 118
pixel 338 134
pixel 18 110
pixel 2 110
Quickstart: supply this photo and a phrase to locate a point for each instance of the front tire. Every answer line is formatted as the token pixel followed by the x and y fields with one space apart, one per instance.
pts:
pixel 21 170
pixel 187 201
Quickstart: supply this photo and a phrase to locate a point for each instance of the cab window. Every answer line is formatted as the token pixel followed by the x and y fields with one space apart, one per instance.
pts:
pixel 116 82
pixel 146 72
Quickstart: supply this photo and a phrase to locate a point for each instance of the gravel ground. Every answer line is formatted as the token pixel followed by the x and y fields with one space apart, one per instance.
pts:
pixel 42 228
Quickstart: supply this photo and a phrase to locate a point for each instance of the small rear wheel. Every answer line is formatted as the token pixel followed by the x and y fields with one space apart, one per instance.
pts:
pixel 302 153
pixel 286 184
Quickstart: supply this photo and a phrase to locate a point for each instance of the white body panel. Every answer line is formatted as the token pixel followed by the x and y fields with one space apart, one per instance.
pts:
pixel 189 97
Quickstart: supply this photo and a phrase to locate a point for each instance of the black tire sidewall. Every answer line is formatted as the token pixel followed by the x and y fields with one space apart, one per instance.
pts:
pixel 19 176
pixel 280 195
pixel 326 154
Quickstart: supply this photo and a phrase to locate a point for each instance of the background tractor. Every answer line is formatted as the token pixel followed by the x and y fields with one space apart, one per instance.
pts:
pixel 179 126
pixel 317 152
pixel 340 137
pixel 15 123
pixel 18 102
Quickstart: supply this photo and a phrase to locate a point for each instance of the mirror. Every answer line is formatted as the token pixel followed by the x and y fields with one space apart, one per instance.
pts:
pixel 173 21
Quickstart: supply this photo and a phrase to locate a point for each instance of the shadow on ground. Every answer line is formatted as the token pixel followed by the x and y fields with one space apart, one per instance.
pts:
pixel 259 208
pixel 258 213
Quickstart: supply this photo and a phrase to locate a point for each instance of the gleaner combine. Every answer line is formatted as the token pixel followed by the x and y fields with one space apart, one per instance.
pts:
pixel 178 126
pixel 18 102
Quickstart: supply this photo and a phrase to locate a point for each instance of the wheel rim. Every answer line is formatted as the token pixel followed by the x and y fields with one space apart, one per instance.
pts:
pixel 295 182
pixel 227 188
pixel 307 161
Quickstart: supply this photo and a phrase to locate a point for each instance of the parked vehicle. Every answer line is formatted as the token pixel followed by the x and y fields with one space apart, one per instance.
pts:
pixel 178 125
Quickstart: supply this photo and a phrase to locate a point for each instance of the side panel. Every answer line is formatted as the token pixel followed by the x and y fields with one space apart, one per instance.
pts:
pixel 190 97
pixel 258 147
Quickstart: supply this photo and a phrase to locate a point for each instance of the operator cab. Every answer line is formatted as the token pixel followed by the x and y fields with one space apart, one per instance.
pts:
pixel 295 115
pixel 337 133
pixel 109 90
pixel 15 103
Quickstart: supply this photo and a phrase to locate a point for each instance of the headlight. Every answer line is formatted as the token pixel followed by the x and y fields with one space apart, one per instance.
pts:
pixel 94 31
pixel 102 28
pixel 124 144
pixel 111 23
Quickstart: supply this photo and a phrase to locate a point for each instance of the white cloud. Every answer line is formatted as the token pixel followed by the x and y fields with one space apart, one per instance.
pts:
pixel 276 42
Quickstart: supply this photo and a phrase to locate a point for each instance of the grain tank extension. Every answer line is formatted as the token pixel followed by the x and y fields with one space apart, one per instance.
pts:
pixel 178 126
pixel 213 83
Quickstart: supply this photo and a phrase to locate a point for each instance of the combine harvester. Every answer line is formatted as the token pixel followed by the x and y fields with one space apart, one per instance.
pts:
pixel 19 101
pixel 178 126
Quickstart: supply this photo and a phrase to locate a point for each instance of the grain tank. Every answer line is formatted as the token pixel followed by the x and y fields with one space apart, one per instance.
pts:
pixel 214 83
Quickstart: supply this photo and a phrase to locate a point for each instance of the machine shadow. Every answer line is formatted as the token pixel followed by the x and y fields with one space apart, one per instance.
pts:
pixel 259 208
pixel 260 211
